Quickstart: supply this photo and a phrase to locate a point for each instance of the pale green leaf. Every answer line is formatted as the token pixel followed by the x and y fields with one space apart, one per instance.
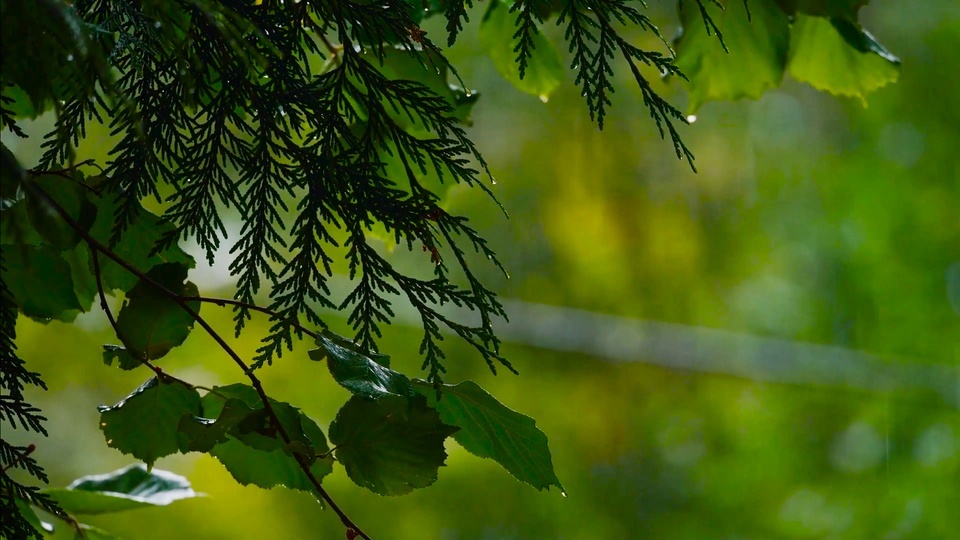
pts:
pixel 839 57
pixel 543 72
pixel 757 45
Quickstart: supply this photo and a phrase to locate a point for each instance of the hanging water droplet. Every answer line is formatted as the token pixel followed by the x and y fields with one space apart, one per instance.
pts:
pixel 544 98
pixel 493 181
pixel 564 493
pixel 69 58
pixel 157 24
pixel 691 118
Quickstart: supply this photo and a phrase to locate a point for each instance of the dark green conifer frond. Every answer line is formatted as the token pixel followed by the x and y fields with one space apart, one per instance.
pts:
pixel 16 411
pixel 594 42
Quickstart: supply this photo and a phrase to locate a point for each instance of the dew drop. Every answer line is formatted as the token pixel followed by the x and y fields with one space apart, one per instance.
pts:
pixel 564 493
pixel 69 58
pixel 157 24
pixel 493 181
pixel 691 118
pixel 544 98
pixel 110 441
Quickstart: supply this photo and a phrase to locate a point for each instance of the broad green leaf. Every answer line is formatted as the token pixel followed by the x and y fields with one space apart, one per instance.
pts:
pixel 254 452
pixel 15 227
pixel 543 72
pixel 361 373
pixel 124 359
pixel 71 197
pixel 489 429
pixel 823 8
pixel 11 176
pixel 124 489
pixel 151 323
pixel 198 434
pixel 390 446
pixel 145 423
pixel 135 245
pixel 838 56
pixel 94 533
pixel 41 281
pixel 757 45
pixel 84 282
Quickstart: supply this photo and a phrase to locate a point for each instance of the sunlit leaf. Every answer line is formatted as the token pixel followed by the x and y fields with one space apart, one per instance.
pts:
pixel 41 281
pixel 489 429
pixel 145 423
pixel 151 323
pixel 543 72
pixel 390 446
pixel 363 374
pixel 125 489
pixel 839 57
pixel 758 47
pixel 823 8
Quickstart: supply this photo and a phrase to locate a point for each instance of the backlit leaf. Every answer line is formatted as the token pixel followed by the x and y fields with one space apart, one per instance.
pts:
pixel 757 45
pixel 838 56
pixel 543 72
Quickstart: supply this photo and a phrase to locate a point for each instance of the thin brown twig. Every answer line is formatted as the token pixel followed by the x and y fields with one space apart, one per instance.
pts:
pixel 116 329
pixel 223 302
pixel 95 246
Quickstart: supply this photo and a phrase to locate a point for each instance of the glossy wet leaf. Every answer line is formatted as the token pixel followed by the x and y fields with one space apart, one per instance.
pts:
pixel 490 429
pixel 839 57
pixel 145 423
pixel 41 281
pixel 390 446
pixel 151 323
pixel 543 72
pixel 757 45
pixel 124 489
pixel 363 374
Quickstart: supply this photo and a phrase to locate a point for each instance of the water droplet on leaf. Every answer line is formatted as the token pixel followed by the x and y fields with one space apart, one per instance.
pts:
pixel 691 118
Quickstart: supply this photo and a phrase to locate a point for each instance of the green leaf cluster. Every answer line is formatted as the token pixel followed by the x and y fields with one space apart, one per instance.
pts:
pixel 820 43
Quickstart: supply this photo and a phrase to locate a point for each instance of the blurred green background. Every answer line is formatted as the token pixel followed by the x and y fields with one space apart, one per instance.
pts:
pixel 766 349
